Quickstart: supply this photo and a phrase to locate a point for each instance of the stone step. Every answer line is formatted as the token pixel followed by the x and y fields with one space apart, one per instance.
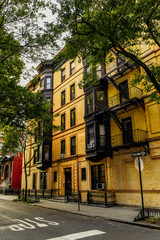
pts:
pixel 59 199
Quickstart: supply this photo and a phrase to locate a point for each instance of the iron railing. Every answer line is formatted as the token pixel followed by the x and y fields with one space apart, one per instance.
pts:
pixel 135 136
pixel 148 212
pixel 118 98
pixel 104 197
pixel 115 68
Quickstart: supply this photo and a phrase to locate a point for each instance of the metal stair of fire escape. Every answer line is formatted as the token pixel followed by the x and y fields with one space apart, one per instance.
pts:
pixel 117 121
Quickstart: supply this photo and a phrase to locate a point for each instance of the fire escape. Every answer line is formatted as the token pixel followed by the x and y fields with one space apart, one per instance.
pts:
pixel 126 98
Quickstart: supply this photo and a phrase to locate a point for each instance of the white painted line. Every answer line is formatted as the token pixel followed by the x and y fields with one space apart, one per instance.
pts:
pixel 79 235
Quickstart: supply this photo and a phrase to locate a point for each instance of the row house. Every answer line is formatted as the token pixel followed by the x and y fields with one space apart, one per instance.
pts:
pixel 100 127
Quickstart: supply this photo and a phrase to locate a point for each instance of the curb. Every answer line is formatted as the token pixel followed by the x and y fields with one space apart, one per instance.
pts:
pixel 105 218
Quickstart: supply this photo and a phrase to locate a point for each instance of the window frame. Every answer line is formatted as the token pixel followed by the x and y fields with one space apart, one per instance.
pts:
pixel 48 152
pixel 63 147
pixel 72 95
pixel 43 180
pixel 89 94
pixel 102 137
pixel 34 181
pixel 63 76
pixel 55 176
pixel 73 147
pixel 73 120
pixel 72 69
pixel 63 101
pixel 98 177
pixel 83 174
pixel 90 138
pixel 63 125
pixel 48 83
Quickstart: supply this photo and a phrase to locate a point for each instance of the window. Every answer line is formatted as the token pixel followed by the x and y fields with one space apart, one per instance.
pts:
pixel 124 88
pixel 62 122
pixel 72 92
pixel 55 176
pixel 63 76
pixel 83 174
pixel 63 147
pixel 90 135
pixel 100 95
pixel 102 135
pixel 46 152
pixel 127 134
pixel 34 181
pixel 63 98
pixel 73 145
pixel 89 103
pixel 100 100
pixel 48 83
pixel 98 175
pixel 72 67
pixel 73 117
pixel 43 180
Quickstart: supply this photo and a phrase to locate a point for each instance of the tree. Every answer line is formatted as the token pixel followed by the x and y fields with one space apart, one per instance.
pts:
pixel 22 37
pixel 94 27
pixel 21 20
pixel 38 127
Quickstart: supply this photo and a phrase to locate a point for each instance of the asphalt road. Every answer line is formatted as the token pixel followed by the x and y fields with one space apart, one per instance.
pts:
pixel 19 221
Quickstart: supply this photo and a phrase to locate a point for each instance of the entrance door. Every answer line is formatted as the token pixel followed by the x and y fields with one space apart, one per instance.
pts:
pixel 68 181
pixel 128 134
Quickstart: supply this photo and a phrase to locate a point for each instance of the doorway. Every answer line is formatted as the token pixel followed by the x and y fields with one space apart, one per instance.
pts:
pixel 68 181
pixel 128 133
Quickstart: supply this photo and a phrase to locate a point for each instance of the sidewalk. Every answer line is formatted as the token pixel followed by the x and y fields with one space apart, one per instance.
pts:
pixel 117 213
pixel 124 214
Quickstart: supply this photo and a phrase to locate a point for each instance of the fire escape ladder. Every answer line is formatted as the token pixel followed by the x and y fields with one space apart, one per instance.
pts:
pixel 117 121
pixel 122 90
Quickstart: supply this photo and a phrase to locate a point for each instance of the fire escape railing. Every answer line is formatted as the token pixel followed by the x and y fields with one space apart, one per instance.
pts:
pixel 118 99
pixel 135 136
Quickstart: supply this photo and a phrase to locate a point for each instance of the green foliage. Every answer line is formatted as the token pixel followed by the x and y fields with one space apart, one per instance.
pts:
pixel 154 219
pixel 145 81
pixel 94 27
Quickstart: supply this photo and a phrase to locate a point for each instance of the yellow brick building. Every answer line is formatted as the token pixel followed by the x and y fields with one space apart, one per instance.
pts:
pixel 100 128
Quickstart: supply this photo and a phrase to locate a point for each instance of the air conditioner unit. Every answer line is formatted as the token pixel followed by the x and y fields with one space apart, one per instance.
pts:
pixel 100 185
pixel 62 155
pixel 93 145
pixel 89 145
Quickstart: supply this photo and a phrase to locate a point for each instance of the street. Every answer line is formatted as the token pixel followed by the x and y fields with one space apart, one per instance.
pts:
pixel 25 221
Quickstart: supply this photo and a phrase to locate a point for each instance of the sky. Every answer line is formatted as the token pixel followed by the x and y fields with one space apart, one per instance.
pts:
pixel 31 66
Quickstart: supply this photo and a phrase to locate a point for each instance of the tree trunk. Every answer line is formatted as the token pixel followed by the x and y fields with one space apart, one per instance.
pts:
pixel 143 65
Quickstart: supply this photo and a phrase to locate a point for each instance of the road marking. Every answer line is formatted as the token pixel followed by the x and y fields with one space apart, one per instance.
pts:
pixel 79 235
pixel 27 224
